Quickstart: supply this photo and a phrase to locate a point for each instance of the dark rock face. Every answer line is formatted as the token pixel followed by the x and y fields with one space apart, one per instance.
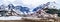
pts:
pixel 11 6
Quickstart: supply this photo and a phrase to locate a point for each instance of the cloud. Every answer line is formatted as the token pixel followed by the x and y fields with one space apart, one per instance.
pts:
pixel 57 4
pixel 34 3
pixel 28 3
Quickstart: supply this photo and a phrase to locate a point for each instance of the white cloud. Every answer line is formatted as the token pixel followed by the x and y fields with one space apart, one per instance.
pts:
pixel 34 3
pixel 28 3
pixel 58 4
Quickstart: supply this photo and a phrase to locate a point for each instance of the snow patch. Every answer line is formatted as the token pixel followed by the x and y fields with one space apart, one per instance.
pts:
pixel 11 18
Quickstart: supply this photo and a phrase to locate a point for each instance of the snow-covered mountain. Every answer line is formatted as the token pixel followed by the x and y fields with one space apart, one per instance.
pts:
pixel 23 9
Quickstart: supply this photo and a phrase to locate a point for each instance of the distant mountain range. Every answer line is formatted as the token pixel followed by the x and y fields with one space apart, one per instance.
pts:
pixel 23 9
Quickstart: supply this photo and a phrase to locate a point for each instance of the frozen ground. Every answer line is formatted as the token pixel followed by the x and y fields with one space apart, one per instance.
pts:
pixel 10 18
